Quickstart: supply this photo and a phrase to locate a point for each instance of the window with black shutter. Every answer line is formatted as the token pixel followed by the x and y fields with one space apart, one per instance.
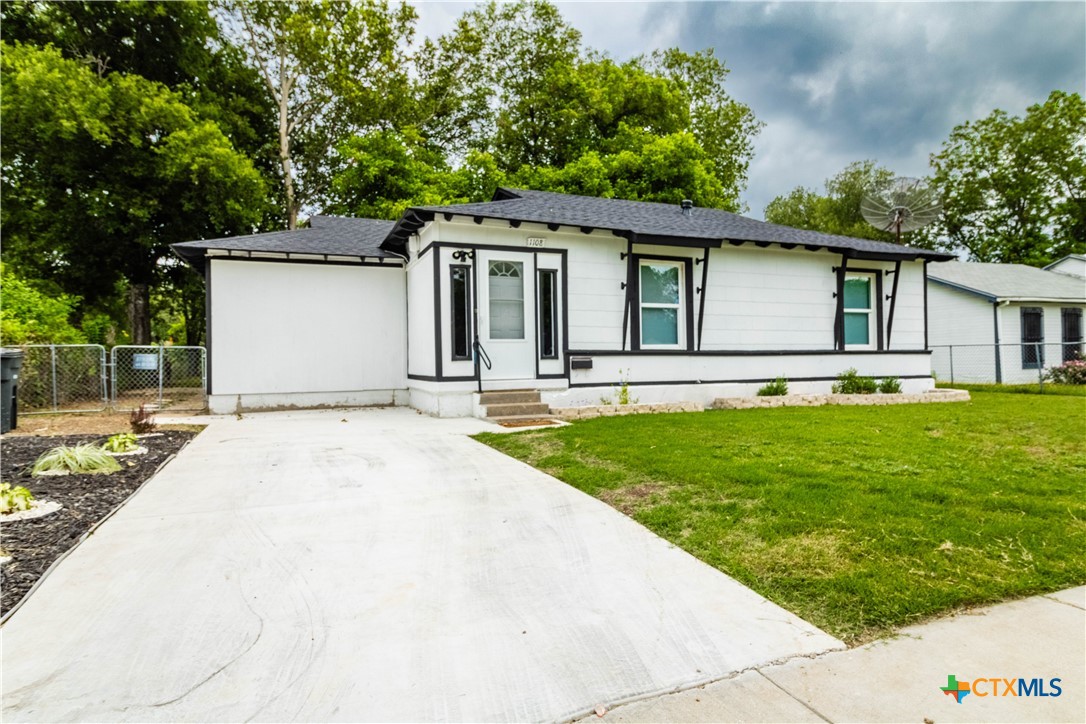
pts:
pixel 1071 323
pixel 548 314
pixel 1033 337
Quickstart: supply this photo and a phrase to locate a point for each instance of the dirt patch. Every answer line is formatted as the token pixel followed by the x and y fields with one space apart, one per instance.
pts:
pixel 633 498
pixel 86 499
pixel 526 423
pixel 79 423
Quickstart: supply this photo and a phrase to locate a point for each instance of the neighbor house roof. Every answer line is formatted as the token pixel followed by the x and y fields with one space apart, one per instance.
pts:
pixel 1008 282
pixel 325 237
pixel 648 223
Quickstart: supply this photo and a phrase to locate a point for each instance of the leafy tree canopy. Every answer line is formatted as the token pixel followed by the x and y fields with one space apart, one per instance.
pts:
pixel 30 316
pixel 100 175
pixel 837 211
pixel 1014 188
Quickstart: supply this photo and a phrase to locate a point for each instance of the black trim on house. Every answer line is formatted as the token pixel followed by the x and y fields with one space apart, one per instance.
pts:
pixel 839 313
pixel 207 322
pixel 435 378
pixel 735 352
pixel 893 301
pixel 758 380
pixel 393 264
pixel 564 262
pixel 541 352
pixel 702 293
pixel 437 315
pixel 878 310
pixel 628 288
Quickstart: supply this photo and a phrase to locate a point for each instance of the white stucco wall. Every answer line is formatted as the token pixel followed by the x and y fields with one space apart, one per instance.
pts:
pixel 305 335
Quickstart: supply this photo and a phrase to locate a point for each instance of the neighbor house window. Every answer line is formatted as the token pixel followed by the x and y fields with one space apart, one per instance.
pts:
pixel 548 314
pixel 1033 337
pixel 1071 323
pixel 859 311
pixel 461 311
pixel 506 299
pixel 661 309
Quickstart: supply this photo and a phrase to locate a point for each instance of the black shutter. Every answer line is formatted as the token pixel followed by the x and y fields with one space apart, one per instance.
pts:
pixel 1032 338
pixel 1071 322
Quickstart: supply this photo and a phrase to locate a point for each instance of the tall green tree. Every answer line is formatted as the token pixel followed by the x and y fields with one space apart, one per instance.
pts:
pixel 102 174
pixel 837 211
pixel 1014 188
pixel 331 69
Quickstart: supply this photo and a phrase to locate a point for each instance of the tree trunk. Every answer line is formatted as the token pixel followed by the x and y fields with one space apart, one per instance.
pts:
pixel 139 313
pixel 284 146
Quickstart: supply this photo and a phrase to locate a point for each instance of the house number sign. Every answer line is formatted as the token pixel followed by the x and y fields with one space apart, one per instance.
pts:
pixel 537 241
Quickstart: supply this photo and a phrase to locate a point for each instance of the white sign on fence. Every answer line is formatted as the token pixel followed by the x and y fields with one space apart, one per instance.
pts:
pixel 142 361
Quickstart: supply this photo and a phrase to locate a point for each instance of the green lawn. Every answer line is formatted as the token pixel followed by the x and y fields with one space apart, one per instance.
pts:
pixel 1031 389
pixel 858 519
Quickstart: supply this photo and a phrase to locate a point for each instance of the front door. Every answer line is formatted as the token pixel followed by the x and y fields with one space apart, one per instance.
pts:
pixel 506 313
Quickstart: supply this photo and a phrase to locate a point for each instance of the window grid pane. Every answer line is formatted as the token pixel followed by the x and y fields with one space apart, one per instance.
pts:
pixel 659 325
pixel 857 328
pixel 659 284
pixel 506 286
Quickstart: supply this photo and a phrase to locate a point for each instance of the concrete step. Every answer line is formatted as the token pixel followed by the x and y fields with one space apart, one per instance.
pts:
pixel 518 408
pixel 506 397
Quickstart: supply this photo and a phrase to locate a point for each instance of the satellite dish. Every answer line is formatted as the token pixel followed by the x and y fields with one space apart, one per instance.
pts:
pixel 901 206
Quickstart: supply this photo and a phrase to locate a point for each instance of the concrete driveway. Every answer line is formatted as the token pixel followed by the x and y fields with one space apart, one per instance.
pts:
pixel 373 565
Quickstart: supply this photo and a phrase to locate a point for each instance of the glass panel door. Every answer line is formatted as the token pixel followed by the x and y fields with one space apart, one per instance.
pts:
pixel 506 281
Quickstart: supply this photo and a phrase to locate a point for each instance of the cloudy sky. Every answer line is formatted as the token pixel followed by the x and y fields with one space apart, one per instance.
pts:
pixel 845 81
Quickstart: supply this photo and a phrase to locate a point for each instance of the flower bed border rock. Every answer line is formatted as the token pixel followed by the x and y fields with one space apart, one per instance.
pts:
pixel 900 398
pixel 585 413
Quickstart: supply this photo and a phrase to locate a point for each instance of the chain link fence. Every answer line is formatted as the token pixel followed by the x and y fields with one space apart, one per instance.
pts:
pixel 63 378
pixel 160 377
pixel 1003 364
pixel 85 378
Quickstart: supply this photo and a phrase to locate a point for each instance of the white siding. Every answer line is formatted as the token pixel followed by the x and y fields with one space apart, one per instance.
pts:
pixel 1072 266
pixel 304 334
pixel 420 311
pixel 1011 334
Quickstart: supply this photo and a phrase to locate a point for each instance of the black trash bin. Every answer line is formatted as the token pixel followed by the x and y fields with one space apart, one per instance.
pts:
pixel 12 362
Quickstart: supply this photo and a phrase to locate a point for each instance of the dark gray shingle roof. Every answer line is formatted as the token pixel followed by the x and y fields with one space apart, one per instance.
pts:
pixel 645 221
pixel 1009 281
pixel 326 235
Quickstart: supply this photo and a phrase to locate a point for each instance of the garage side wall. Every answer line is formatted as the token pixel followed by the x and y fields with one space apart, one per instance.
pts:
pixel 305 335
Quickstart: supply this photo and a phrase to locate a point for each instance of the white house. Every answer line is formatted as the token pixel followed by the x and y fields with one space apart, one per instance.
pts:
pixel 1006 322
pixel 1072 264
pixel 567 295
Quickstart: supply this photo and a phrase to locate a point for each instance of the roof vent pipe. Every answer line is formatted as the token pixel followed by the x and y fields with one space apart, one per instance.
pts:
pixel 687 206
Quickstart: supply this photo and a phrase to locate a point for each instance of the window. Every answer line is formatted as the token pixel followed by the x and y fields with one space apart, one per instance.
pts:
pixel 661 307
pixel 859 311
pixel 1033 337
pixel 461 311
pixel 1071 323
pixel 506 300
pixel 548 314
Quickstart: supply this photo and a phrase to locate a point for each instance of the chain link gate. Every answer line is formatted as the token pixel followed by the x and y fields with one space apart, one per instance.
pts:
pixel 165 378
pixel 63 378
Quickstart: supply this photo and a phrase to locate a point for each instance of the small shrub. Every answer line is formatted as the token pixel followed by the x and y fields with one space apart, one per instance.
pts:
pixel 142 421
pixel 12 500
pixel 1072 372
pixel 776 388
pixel 890 386
pixel 77 459
pixel 850 382
pixel 123 442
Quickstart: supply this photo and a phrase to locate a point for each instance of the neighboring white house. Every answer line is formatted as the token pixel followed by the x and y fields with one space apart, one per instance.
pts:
pixel 1072 264
pixel 569 295
pixel 1006 322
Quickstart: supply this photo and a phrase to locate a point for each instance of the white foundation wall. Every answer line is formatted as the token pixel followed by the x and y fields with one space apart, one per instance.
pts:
pixel 305 335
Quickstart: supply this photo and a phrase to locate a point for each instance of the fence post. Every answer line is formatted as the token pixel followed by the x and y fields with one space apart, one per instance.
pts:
pixel 105 378
pixel 1040 367
pixel 160 374
pixel 53 366
pixel 951 364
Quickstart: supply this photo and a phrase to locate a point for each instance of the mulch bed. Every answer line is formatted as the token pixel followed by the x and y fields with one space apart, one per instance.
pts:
pixel 35 543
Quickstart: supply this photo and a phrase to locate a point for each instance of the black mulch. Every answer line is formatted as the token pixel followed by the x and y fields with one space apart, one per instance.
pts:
pixel 35 543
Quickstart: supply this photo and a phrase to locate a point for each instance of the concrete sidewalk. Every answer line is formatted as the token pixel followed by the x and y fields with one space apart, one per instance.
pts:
pixel 373 565
pixel 899 679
